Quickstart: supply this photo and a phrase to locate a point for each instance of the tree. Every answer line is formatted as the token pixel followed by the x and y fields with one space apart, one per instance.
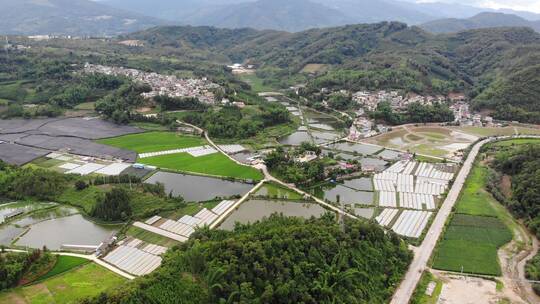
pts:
pixel 114 206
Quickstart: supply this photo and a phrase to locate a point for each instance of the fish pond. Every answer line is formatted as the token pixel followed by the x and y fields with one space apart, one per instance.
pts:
pixel 198 188
pixel 72 230
pixel 255 210
pixel 295 139
pixel 356 148
pixel 52 226
pixel 350 192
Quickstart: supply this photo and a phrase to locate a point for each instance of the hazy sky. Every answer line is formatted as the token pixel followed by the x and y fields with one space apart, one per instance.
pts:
pixel 522 5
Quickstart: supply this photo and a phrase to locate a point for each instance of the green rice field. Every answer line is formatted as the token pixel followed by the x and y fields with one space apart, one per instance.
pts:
pixel 215 164
pixel 68 287
pixel 154 141
pixel 475 232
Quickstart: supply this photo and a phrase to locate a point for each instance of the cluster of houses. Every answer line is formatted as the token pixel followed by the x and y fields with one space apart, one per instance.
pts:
pixel 369 100
pixel 363 127
pixel 162 85
pixel 464 117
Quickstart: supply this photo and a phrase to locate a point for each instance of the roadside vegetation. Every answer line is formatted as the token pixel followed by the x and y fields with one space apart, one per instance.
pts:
pixel 519 162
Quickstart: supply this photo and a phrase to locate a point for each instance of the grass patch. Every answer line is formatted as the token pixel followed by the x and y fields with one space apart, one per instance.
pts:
pixel 474 198
pixel 63 263
pixel 215 164
pixel 517 142
pixel 256 83
pixel 149 126
pixel 481 131
pixel 154 142
pixel 84 199
pixel 47 163
pixel 420 296
pixel 427 159
pixel 69 287
pixel 150 237
pixel 275 191
pixel 190 209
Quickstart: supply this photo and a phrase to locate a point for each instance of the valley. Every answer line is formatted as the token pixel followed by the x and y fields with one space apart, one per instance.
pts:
pixel 370 163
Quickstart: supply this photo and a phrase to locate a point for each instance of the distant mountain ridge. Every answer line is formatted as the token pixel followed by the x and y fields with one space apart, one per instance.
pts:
pixel 298 15
pixel 286 15
pixel 69 17
pixel 482 20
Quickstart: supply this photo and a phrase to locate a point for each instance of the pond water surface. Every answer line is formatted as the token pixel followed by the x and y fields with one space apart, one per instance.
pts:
pixel 348 196
pixel 72 230
pixel 198 188
pixel 295 139
pixel 254 210
pixel 358 148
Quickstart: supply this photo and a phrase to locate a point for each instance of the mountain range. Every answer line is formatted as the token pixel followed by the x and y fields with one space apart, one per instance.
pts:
pixel 69 17
pixel 113 17
pixel 482 20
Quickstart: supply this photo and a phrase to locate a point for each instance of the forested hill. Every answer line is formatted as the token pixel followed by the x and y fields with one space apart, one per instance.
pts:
pixel 496 67
pixel 483 20
pixel 279 260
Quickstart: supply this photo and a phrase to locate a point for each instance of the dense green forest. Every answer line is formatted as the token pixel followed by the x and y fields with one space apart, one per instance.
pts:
pixel 278 260
pixel 522 164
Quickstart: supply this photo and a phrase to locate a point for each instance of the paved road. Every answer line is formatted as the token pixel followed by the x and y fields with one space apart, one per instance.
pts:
pixel 423 253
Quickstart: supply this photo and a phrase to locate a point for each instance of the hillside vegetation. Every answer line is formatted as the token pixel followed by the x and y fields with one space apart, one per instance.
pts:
pixel 278 260
pixel 494 67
